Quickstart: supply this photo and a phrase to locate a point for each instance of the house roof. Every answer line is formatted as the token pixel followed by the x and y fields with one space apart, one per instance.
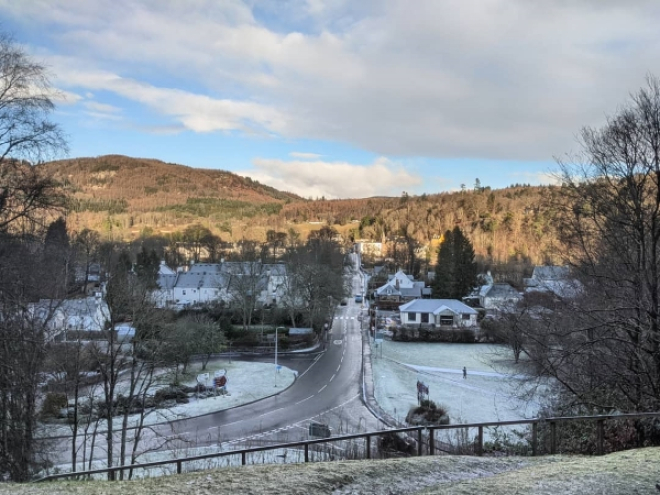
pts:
pixel 436 305
pixel 550 273
pixel 166 281
pixel 206 280
pixel 501 290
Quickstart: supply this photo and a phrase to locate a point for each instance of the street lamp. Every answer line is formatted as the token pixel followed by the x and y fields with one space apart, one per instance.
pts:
pixel 277 368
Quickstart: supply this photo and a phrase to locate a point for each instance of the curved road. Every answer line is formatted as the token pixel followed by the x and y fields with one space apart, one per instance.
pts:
pixel 328 390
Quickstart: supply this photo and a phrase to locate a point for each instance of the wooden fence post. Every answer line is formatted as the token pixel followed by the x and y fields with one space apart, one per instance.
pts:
pixel 535 436
pixel 480 441
pixel 431 441
pixel 553 438
pixel 368 446
pixel 601 436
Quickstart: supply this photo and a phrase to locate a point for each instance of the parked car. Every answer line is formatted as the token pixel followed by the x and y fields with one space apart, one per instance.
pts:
pixel 344 302
pixel 358 298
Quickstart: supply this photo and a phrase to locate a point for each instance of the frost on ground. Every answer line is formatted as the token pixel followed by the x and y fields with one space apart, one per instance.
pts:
pixel 247 382
pixel 621 473
pixel 491 391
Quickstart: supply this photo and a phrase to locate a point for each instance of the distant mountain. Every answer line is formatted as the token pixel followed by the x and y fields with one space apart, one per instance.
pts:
pixel 127 198
pixel 138 184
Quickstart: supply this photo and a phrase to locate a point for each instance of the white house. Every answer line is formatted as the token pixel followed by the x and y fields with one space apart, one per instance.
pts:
pixel 205 283
pixel 498 297
pixel 90 314
pixel 554 279
pixel 401 287
pixel 439 313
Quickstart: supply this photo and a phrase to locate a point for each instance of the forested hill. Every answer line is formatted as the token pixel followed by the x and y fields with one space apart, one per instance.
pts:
pixel 146 184
pixel 126 197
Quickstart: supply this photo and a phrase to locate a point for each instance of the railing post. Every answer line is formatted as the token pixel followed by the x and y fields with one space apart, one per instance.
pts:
pixel 243 458
pixel 431 441
pixel 553 438
pixel 306 452
pixel 368 446
pixel 535 436
pixel 601 437
pixel 419 442
pixel 480 441
pixel 178 467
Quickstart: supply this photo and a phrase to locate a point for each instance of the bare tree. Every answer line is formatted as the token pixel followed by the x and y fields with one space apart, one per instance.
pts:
pixel 602 340
pixel 26 136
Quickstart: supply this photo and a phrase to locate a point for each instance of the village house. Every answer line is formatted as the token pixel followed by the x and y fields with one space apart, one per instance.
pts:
pixel 89 314
pixel 401 288
pixel 438 313
pixel 553 279
pixel 207 283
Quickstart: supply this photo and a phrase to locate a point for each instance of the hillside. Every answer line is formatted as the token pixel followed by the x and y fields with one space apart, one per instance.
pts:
pixel 129 191
pixel 621 473
pixel 125 198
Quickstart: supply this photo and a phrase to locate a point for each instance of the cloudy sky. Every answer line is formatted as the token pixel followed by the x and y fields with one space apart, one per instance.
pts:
pixel 341 98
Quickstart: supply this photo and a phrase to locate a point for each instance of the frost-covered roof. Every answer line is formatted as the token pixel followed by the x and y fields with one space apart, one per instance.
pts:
pixel 436 305
pixel 550 272
pixel 502 291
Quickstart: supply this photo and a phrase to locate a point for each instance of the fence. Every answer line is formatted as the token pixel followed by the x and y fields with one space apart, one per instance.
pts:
pixel 424 438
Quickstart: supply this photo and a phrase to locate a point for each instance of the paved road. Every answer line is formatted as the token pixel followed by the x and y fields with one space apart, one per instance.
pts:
pixel 328 390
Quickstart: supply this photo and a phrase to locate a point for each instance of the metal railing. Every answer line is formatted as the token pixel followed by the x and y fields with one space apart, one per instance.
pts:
pixel 422 436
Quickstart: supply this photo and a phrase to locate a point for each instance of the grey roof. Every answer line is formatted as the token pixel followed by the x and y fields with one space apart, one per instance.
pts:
pixel 436 305
pixel 501 290
pixel 550 272
pixel 410 291
pixel 388 290
pixel 165 281
pixel 206 280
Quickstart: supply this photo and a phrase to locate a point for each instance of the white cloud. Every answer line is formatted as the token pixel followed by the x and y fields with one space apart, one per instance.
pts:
pixel 334 179
pixel 306 156
pixel 507 79
pixel 199 113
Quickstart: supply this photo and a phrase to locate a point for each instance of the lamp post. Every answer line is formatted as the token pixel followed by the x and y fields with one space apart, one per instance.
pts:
pixel 277 368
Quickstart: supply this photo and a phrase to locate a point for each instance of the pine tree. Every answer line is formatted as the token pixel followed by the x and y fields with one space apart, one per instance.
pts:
pixel 455 271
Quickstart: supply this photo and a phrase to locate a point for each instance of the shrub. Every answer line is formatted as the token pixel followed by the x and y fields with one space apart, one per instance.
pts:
pixel 53 403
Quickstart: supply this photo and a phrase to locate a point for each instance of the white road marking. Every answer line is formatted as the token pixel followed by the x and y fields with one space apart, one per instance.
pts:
pixel 300 402
pixel 322 388
pixel 338 368
pixel 333 376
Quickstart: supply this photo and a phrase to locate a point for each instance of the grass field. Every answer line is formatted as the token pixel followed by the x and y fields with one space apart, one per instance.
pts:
pixel 622 473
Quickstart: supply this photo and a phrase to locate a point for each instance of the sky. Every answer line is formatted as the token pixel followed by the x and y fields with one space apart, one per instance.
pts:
pixel 341 98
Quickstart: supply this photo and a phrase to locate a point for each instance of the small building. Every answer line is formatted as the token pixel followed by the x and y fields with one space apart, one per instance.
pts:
pixel 553 279
pixel 498 297
pixel 401 288
pixel 438 313
pixel 89 314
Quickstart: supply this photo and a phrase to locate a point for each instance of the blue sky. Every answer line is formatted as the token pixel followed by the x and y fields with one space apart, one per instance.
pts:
pixel 339 98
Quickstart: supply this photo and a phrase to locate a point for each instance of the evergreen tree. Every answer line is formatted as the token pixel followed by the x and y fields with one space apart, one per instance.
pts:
pixel 456 270
pixel 146 267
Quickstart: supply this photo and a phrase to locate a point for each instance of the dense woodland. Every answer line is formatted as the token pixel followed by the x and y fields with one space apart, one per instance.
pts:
pixel 127 198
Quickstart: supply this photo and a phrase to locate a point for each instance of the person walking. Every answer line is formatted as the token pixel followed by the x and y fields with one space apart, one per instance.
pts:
pixel 464 372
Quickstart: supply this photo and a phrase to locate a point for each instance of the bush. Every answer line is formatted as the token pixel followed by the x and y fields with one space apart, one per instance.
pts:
pixel 427 413
pixel 53 404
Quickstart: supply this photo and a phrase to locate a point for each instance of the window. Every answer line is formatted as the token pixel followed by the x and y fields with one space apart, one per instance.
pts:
pixel 446 320
pixel 465 316
pixel 184 292
pixel 412 316
pixel 425 317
